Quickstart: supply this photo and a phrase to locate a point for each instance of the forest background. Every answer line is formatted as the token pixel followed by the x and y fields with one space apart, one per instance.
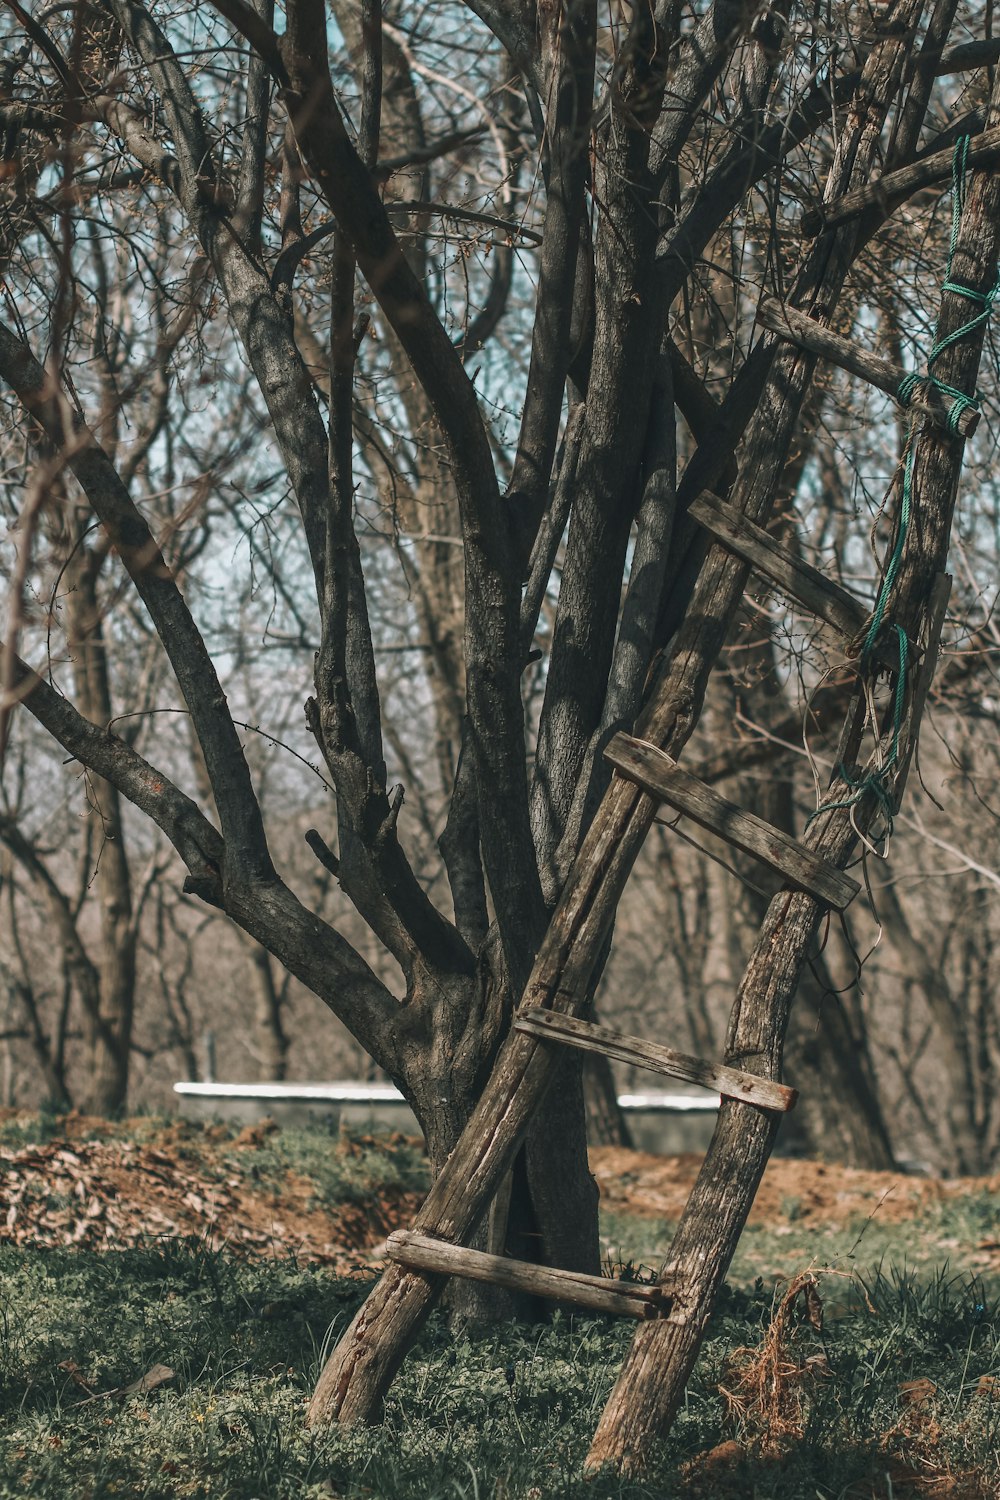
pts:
pixel 113 965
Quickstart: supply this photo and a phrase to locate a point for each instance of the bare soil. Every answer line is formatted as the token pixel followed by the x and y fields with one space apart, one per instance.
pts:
pixel 104 1186
pixel 113 1191
pixel 637 1182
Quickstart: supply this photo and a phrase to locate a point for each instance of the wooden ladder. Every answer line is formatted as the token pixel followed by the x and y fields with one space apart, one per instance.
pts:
pixel 546 1020
pixel 671 1314
pixel 656 773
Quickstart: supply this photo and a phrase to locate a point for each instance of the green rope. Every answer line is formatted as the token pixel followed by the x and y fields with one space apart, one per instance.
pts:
pixel 875 783
pixel 911 384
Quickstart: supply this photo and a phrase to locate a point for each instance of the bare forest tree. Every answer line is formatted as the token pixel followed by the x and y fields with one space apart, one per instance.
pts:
pixel 395 349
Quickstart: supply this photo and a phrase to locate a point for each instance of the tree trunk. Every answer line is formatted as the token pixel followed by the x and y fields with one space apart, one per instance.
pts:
pixel 109 1032
pixel 606 1122
pixel 953 1060
pixel 839 1116
pixel 272 1040
pixel 839 1112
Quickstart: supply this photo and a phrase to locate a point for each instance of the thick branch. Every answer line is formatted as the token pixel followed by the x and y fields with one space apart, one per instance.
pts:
pixel 326 505
pixel 892 189
pixel 199 845
pixel 571 91
pixel 250 184
pixel 492 638
pixel 308 947
pixel 246 845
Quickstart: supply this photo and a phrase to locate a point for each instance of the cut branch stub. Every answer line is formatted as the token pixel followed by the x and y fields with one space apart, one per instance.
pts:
pixel 588 1037
pixel 622 1299
pixel 660 775
pixel 807 334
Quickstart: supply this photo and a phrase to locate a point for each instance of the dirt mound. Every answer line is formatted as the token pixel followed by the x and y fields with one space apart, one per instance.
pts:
pixel 109 1193
pixel 103 1185
pixel 636 1182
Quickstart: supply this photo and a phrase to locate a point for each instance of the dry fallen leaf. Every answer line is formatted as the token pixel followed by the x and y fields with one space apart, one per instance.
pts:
pixel 75 1374
pixel 917 1392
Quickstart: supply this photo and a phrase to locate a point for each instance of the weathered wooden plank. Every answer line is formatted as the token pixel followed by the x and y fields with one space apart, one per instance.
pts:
pixel 835 606
pixel 622 1299
pixel 893 188
pixel 661 776
pixel 798 328
pixel 588 1037
pixel 799 580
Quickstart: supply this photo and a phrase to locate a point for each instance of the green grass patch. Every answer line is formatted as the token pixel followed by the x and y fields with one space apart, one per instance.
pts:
pixel 898 1394
pixel 506 1414
pixel 945 1233
pixel 341 1168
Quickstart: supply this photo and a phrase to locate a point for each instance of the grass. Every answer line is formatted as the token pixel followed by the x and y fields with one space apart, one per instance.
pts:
pixel 350 1173
pixel 948 1231
pixel 898 1396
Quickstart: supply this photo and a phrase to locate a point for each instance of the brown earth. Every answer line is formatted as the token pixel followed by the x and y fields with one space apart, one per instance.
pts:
pixel 637 1182
pixel 795 1197
pixel 112 1191
pixel 105 1186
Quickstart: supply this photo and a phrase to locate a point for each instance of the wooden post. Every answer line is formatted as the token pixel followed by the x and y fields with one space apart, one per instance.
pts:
pixel 653 1377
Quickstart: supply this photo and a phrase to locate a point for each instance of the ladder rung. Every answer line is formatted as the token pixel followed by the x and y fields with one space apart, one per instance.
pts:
pixel 893 188
pixel 796 328
pixel 589 1037
pixel 623 1299
pixel 801 582
pixel 659 775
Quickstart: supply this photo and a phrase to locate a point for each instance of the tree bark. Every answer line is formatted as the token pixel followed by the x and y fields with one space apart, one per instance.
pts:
pixel 109 1033
pixel 652 1381
pixel 606 1121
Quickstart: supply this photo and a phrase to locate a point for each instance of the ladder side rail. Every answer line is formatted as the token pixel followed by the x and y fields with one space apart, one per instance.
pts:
pixel 653 1378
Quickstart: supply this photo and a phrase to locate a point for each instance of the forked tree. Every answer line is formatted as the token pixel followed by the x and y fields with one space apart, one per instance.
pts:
pixel 676 203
